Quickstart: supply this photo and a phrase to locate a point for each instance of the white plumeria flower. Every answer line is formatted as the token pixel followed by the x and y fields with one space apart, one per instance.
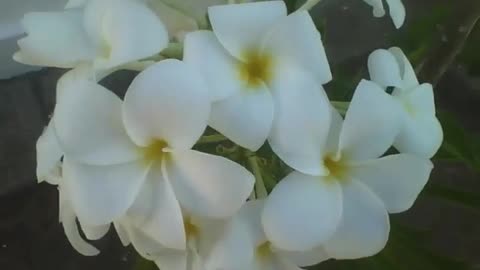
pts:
pixel 264 69
pixel 258 253
pixel 397 10
pixel 346 210
pixel 204 236
pixel 422 133
pixel 114 150
pixel 103 33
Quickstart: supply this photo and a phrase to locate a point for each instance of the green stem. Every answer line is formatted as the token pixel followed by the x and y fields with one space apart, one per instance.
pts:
pixel 260 189
pixel 309 5
pixel 341 106
pixel 216 138
pixel 174 50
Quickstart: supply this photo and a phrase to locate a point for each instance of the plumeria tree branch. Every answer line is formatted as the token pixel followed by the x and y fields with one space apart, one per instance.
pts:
pixel 309 4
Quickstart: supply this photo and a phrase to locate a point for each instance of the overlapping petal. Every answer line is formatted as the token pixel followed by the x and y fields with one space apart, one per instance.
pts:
pixel 162 104
pixel 302 212
pixel 295 41
pixel 301 123
pixel 364 228
pixel 384 68
pixel 396 180
pixel 371 124
pixel 101 194
pixel 65 47
pixel 207 185
pixel 241 27
pixel 245 118
pixel 49 154
pixel 156 211
pixel 89 127
pixel 204 52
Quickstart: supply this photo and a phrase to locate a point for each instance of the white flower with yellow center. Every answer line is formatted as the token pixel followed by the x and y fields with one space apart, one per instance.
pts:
pixel 253 249
pixel 204 237
pixel 103 33
pixel 116 150
pixel 264 70
pixel 345 210
pixel 422 133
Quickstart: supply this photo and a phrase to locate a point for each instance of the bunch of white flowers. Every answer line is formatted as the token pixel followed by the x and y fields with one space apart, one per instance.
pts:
pixel 256 77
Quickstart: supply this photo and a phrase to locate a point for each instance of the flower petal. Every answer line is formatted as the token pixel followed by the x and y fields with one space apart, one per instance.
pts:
pixel 295 41
pixel 100 194
pixel 298 198
pixel 371 124
pixel 89 126
pixel 378 9
pixel 396 180
pixel 157 213
pixel 172 260
pixel 65 47
pixel 167 101
pixel 305 258
pixel 245 118
pixel 207 185
pixel 408 73
pixel 95 232
pixel 301 122
pixel 365 226
pixel 397 12
pixel 384 68
pixel 204 52
pixel 422 133
pixel 49 154
pixel 68 220
pixel 241 27
pixel 129 31
pixel 122 233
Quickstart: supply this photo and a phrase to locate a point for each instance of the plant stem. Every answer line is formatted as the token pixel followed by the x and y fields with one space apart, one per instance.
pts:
pixel 260 189
pixel 216 138
pixel 341 106
pixel 309 5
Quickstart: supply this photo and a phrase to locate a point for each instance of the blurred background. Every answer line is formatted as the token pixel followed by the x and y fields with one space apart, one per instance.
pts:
pixel 441 231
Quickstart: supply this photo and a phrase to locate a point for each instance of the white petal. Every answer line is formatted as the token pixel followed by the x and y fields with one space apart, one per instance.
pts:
pixel 245 118
pixel 233 250
pixel 295 41
pixel 75 3
pixel 88 123
pixel 251 215
pixel 408 73
pixel 421 136
pixel 371 124
pixel 203 51
pixel 397 12
pixel 172 260
pixel 157 213
pixel 122 233
pixel 95 232
pixel 396 180
pixel 100 194
pixel 378 10
pixel 207 185
pixel 241 27
pixel 65 47
pixel 130 31
pixel 68 220
pixel 301 122
pixel 365 226
pixel 422 133
pixel 177 22
pixel 302 212
pixel 334 132
pixel 49 154
pixel 305 258
pixel 167 101
pixel 384 68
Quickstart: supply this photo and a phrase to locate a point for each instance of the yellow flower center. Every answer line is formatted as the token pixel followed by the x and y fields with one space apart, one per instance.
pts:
pixel 191 230
pixel 256 68
pixel 154 152
pixel 264 250
pixel 337 168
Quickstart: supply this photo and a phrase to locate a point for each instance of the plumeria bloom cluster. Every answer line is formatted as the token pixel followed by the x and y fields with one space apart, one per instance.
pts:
pixel 256 77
